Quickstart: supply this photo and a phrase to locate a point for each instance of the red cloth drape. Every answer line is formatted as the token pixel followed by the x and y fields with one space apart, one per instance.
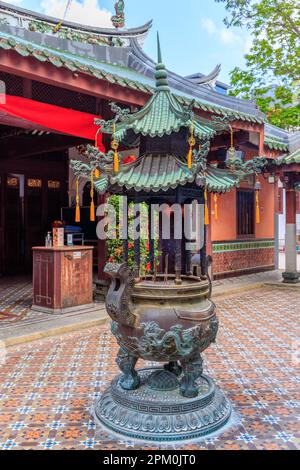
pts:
pixel 56 118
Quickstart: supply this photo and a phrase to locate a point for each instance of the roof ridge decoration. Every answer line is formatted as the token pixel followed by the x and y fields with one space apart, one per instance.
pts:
pixel 118 20
pixel 38 22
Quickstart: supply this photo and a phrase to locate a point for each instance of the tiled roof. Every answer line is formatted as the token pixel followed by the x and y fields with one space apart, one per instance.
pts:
pixel 163 114
pixel 289 159
pixel 161 172
pixel 124 76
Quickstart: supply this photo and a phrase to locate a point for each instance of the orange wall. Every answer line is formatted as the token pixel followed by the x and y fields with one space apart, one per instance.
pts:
pixel 267 208
pixel 224 228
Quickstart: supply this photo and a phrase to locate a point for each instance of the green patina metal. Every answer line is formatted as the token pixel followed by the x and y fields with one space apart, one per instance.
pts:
pixel 161 172
pixel 162 115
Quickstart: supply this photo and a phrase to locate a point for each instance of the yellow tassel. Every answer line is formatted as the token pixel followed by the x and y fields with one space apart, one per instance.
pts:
pixel 190 158
pixel 97 173
pixel 206 213
pixel 192 142
pixel 77 211
pixel 57 27
pixel 257 209
pixel 92 208
pixel 216 206
pixel 92 212
pixel 116 162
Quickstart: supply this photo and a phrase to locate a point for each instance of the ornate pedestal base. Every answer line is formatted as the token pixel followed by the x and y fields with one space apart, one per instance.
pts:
pixel 158 412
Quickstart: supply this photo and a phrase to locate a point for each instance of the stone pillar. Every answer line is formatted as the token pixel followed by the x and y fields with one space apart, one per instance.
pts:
pixel 290 275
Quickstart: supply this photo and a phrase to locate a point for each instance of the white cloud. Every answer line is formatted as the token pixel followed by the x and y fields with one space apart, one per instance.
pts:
pixel 88 12
pixel 209 25
pixel 226 36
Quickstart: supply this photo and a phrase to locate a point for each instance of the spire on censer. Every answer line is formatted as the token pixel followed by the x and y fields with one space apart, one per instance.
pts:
pixel 161 75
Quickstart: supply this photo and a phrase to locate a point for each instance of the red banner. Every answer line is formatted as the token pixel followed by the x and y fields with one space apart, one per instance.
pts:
pixel 56 118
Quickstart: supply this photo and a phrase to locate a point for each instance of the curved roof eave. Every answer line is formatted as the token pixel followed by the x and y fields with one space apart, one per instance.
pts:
pixel 140 30
pixel 142 63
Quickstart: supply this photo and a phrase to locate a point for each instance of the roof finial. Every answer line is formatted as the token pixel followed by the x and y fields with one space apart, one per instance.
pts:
pixel 159 59
pixel 161 73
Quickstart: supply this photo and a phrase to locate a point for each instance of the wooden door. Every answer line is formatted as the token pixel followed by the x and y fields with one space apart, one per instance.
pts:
pixel 14 240
pixel 34 217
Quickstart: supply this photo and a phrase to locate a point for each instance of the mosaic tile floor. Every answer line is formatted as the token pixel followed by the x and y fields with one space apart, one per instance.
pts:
pixel 16 296
pixel 47 388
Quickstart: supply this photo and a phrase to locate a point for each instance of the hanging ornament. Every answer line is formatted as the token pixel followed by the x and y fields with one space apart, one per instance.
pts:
pixel 97 173
pixel 231 151
pixel 216 206
pixel 192 142
pixel 257 207
pixel 115 146
pixel 206 213
pixel 92 207
pixel 257 188
pixel 77 211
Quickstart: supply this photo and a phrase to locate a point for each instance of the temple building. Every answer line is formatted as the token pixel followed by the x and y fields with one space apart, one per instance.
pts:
pixel 54 83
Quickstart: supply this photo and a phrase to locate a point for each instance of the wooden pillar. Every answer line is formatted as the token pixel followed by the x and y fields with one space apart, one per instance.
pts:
pixel 290 276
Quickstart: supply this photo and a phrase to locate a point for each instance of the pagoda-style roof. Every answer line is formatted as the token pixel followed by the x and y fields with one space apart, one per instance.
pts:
pixel 162 115
pixel 156 173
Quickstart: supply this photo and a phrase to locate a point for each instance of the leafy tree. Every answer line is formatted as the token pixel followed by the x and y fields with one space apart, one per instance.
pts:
pixel 272 72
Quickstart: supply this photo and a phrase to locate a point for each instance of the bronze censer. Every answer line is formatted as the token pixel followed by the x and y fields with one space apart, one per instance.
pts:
pixel 167 318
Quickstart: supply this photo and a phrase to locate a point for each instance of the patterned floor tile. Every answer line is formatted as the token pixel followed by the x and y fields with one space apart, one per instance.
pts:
pixel 47 387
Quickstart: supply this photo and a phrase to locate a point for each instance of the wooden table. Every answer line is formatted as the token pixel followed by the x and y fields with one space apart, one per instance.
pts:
pixel 62 279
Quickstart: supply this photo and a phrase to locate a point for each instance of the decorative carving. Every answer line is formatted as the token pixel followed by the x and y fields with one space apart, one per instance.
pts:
pixel 118 299
pixel 192 368
pixel 158 416
pixel 156 344
pixel 119 19
pixel 151 340
pixel 73 35
pixel 126 362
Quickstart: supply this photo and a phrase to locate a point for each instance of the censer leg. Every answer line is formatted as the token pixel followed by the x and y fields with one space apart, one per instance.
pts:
pixel 173 367
pixel 127 363
pixel 192 368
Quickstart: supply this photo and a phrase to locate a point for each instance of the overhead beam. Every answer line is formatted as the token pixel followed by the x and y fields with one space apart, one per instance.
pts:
pixel 29 145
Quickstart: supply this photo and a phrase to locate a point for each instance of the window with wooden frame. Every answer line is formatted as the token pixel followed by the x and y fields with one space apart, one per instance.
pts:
pixel 245 213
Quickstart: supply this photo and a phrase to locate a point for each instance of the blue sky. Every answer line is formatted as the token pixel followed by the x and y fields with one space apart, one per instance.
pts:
pixel 193 36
